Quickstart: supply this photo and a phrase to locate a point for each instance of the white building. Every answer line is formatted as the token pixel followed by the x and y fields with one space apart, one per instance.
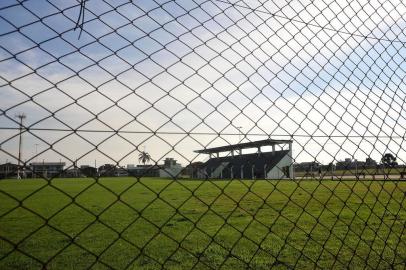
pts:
pixel 170 168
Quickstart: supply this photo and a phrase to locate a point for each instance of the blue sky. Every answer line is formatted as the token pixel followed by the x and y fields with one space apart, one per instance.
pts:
pixel 176 76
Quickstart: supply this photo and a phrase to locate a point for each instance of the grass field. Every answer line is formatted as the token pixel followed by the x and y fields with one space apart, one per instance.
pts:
pixel 154 223
pixel 393 173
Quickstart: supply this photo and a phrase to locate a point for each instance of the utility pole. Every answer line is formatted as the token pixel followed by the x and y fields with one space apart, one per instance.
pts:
pixel 20 116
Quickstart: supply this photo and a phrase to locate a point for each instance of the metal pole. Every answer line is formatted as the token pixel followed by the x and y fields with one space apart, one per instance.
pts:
pixel 21 116
pixel 36 151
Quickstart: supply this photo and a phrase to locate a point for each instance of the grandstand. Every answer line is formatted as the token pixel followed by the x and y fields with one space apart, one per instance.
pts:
pixel 229 162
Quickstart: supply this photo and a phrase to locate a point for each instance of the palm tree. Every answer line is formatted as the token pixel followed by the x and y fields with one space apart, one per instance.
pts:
pixel 144 157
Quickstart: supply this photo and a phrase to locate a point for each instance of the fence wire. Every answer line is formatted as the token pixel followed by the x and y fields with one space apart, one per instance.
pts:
pixel 202 134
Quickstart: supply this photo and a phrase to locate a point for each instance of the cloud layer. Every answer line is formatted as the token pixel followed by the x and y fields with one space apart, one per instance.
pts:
pixel 183 75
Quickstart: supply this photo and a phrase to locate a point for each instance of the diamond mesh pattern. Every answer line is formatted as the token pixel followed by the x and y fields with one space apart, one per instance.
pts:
pixel 112 83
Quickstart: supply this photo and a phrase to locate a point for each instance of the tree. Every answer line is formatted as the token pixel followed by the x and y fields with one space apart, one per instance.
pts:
pixel 389 160
pixel 144 157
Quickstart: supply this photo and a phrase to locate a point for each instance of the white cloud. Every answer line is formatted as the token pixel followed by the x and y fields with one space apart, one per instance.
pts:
pixel 270 75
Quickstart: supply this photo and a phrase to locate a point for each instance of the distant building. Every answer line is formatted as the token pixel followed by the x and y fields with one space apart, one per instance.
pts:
pixel 47 169
pixel 308 166
pixel 144 171
pixel 8 170
pixel 121 172
pixel 130 166
pixel 170 168
pixel 170 162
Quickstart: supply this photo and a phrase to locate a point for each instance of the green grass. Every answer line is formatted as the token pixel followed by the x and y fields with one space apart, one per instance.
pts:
pixel 369 172
pixel 123 223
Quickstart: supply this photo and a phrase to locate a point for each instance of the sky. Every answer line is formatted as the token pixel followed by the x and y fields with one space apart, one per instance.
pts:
pixel 170 77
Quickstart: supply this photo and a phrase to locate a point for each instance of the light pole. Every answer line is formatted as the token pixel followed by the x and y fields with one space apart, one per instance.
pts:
pixel 20 116
pixel 36 151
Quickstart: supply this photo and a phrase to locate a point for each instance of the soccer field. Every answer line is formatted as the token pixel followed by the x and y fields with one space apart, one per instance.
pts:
pixel 154 223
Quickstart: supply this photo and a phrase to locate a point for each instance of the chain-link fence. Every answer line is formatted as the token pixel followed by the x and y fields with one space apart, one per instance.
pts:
pixel 202 134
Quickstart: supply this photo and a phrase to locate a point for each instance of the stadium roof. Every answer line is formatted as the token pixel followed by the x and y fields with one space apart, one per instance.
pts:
pixel 239 146
pixel 48 163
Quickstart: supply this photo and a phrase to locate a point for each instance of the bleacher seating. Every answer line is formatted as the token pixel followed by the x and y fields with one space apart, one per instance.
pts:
pixel 253 164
